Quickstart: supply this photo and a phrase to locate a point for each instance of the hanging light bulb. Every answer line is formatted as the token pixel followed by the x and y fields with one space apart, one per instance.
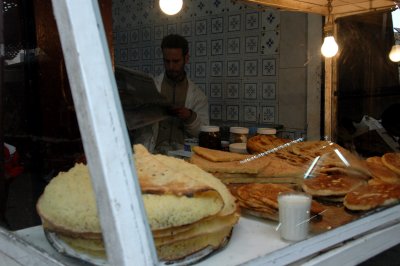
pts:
pixel 171 7
pixel 329 48
pixel 394 54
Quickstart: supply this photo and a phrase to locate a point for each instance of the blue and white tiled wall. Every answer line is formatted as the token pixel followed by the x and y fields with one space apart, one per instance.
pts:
pixel 234 54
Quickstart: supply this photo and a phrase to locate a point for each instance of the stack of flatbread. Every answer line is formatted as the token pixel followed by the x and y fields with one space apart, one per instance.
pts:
pixel 187 208
pixel 289 164
pixel 233 168
pixel 261 199
pixel 383 188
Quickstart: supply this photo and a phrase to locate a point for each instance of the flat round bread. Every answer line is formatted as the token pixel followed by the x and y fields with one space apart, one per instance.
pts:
pixel 392 161
pixel 331 185
pixel 383 173
pixel 262 143
pixel 263 197
pixel 262 194
pixel 372 196
pixel 314 148
pixel 374 159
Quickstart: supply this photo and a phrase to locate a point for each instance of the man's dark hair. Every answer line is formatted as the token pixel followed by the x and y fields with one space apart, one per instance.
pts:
pixel 175 41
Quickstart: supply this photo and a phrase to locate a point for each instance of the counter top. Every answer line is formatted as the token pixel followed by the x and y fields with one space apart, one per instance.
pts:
pixel 255 241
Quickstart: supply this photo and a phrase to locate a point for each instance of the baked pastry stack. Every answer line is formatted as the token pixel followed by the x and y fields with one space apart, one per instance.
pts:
pixel 233 168
pixel 188 209
pixel 261 199
pixel 383 188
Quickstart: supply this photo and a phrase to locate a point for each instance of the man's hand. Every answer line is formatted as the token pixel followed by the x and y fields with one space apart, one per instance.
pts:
pixel 182 113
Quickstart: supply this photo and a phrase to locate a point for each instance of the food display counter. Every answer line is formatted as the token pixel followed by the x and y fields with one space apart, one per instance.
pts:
pixel 254 242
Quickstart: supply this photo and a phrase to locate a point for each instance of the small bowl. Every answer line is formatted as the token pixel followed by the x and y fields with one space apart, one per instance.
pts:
pixel 238 148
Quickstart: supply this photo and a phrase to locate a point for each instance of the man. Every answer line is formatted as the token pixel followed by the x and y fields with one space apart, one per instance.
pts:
pixel 189 109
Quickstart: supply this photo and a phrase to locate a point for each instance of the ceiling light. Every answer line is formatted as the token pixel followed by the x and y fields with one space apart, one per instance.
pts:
pixel 394 54
pixel 171 7
pixel 329 47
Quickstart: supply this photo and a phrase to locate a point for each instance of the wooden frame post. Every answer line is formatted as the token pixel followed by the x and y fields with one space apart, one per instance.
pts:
pixel 126 232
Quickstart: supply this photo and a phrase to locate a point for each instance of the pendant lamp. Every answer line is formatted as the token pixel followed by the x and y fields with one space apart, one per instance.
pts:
pixel 329 47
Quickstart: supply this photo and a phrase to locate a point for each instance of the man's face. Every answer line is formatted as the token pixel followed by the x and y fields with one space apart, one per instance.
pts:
pixel 174 62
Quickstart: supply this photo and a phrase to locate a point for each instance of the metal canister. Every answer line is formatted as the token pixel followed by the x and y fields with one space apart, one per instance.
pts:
pixel 210 137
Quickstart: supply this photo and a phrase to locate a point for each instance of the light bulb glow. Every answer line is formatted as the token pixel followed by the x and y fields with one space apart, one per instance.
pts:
pixel 171 7
pixel 394 54
pixel 329 47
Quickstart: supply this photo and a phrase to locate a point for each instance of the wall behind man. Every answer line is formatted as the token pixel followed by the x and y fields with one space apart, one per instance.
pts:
pixel 252 62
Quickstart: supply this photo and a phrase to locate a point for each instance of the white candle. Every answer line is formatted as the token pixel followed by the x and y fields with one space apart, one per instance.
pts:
pixel 294 215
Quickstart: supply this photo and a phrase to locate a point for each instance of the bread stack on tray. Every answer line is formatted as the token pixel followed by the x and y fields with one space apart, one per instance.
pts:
pixel 189 210
pixel 233 168
pixel 341 182
pixel 261 199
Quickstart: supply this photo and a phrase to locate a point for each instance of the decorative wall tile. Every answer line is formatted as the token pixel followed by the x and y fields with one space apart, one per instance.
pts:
pixel 215 112
pixel 250 68
pixel 216 69
pixel 233 45
pixel 171 29
pixel 147 69
pixel 251 44
pixel 158 32
pixel 217 25
pixel 234 5
pixel 200 69
pixel 252 22
pixel 201 48
pixel 250 91
pixel 269 42
pixel 250 113
pixel 232 90
pixel 270 19
pixel 268 67
pixel 147 53
pixel 117 55
pixel 146 34
pixel 123 37
pixel 232 113
pixel 215 90
pixel 217 6
pixel 134 36
pixel 268 114
pixel 268 91
pixel 186 29
pixel 233 68
pixel 134 54
pixel 158 52
pixel 123 57
pixel 201 27
pixel 217 47
pixel 188 69
pixel 234 22
pixel 201 7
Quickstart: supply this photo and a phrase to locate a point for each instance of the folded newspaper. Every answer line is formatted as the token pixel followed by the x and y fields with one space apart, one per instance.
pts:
pixel 141 101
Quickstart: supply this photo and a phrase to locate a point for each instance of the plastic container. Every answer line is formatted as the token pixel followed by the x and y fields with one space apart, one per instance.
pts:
pixel 238 148
pixel 266 131
pixel 210 137
pixel 238 134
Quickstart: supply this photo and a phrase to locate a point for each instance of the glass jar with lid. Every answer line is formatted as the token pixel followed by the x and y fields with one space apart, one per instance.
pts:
pixel 266 131
pixel 238 134
pixel 210 137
